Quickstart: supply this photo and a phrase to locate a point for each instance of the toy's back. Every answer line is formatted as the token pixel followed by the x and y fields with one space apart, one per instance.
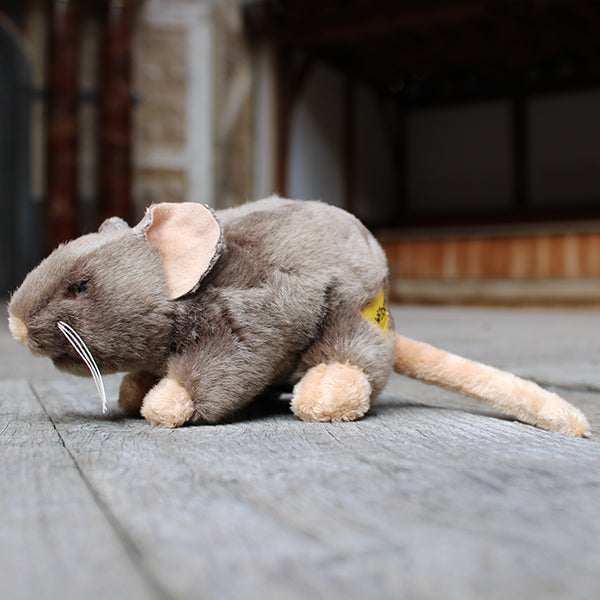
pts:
pixel 311 239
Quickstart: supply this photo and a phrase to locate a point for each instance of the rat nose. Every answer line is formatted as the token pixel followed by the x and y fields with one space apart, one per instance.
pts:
pixel 18 329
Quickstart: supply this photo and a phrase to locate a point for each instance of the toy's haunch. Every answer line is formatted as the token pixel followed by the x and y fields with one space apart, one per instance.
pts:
pixel 207 311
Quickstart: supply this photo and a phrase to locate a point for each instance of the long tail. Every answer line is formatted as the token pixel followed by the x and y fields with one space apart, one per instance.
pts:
pixel 524 400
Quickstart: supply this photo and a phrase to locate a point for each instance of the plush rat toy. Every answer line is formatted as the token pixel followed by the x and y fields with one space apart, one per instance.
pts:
pixel 206 311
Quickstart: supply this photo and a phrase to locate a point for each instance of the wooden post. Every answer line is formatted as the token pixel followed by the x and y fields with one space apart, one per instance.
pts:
pixel 115 104
pixel 349 141
pixel 62 146
pixel 283 119
pixel 290 75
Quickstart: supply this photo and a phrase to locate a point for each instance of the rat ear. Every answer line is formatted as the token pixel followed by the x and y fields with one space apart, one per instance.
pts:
pixel 113 225
pixel 188 237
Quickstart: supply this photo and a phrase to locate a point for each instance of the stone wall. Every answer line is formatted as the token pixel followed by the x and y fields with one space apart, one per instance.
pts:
pixel 193 111
pixel 160 64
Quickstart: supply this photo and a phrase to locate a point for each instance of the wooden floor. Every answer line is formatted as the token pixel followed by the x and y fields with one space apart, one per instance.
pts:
pixel 430 496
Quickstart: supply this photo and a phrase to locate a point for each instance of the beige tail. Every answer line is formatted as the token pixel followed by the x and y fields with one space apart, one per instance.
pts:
pixel 524 400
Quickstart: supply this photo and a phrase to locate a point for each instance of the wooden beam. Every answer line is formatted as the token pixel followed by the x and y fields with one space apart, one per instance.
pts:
pixel 62 146
pixel 115 111
pixel 297 24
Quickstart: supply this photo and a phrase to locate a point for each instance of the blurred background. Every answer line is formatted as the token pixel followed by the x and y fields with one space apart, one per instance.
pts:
pixel 465 134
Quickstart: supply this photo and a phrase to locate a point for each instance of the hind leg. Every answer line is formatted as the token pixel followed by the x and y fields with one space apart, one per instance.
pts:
pixel 332 392
pixel 344 370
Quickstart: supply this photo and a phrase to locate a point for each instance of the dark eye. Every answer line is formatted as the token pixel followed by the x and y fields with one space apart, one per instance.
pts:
pixel 81 287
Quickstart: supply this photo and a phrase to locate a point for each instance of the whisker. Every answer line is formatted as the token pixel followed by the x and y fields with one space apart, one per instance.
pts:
pixel 84 353
pixel 89 361
pixel 80 347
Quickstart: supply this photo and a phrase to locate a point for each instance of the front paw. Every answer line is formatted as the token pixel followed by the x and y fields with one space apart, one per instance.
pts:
pixel 134 387
pixel 168 404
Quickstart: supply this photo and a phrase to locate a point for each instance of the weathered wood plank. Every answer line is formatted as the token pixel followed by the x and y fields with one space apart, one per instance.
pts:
pixel 433 495
pixel 195 531
pixel 560 347
pixel 55 541
pixel 414 501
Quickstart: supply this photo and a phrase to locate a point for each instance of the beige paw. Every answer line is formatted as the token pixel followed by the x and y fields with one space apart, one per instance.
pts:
pixel 168 404
pixel 134 386
pixel 332 392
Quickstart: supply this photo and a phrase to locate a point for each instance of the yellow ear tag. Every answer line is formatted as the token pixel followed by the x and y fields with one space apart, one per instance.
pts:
pixel 377 312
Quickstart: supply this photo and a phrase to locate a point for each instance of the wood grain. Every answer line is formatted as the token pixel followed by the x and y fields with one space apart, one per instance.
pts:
pixel 56 541
pixel 540 256
pixel 431 496
pixel 327 511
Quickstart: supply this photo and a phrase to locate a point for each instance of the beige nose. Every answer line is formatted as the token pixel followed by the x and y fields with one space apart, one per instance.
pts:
pixel 17 328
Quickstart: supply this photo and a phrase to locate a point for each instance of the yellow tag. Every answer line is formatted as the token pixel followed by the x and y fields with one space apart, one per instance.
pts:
pixel 377 312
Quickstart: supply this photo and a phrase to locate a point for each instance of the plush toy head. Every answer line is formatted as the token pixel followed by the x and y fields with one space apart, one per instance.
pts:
pixel 116 288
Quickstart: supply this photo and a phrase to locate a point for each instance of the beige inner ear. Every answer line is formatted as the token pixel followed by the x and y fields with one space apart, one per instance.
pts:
pixel 187 235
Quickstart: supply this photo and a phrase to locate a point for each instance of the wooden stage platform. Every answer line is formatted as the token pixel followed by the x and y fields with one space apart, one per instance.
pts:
pixel 430 496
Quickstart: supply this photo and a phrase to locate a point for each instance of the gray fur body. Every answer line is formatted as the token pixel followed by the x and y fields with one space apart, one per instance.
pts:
pixel 285 294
